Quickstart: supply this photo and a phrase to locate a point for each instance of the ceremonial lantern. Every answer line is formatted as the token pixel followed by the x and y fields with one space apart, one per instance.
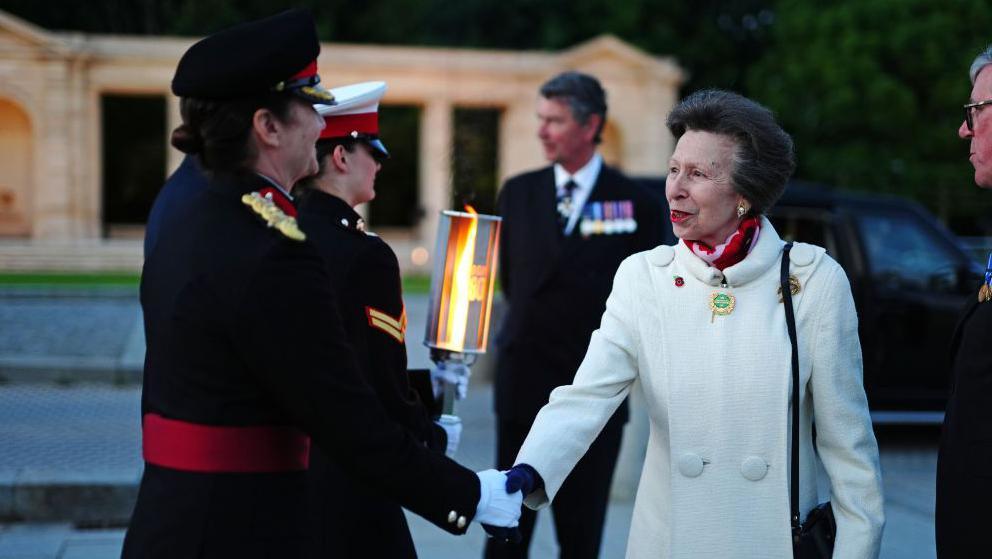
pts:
pixel 462 286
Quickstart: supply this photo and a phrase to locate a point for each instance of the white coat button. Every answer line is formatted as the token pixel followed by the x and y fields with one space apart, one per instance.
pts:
pixel 452 516
pixel 690 464
pixel 462 522
pixel 754 468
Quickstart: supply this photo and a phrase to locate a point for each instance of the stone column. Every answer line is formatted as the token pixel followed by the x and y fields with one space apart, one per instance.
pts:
pixel 58 203
pixel 87 151
pixel 436 135
pixel 519 149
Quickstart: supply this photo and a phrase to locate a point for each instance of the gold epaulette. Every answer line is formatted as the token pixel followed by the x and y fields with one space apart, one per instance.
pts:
pixel 274 216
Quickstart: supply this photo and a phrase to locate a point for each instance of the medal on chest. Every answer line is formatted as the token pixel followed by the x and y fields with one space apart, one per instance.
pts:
pixel 721 303
pixel 985 292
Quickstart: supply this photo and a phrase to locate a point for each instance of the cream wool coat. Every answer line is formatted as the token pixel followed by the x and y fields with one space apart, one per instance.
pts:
pixel 715 481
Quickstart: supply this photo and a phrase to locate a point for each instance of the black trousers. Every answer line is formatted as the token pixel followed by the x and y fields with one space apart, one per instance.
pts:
pixel 579 508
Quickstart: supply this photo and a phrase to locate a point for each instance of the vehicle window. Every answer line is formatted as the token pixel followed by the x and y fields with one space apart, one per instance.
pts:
pixel 903 253
pixel 802 227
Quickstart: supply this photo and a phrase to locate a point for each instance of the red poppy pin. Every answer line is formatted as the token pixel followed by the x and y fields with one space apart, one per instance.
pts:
pixel 679 282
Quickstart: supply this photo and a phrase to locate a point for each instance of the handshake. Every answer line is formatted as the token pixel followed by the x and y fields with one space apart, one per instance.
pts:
pixel 501 497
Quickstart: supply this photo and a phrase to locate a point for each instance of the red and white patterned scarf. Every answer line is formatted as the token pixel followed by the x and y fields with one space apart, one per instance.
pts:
pixel 733 250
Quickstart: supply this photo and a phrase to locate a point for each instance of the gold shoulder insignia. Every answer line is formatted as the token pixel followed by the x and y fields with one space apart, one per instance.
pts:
pixel 394 327
pixel 274 216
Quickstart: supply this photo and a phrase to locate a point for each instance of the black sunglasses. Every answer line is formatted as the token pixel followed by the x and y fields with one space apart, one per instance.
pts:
pixel 969 113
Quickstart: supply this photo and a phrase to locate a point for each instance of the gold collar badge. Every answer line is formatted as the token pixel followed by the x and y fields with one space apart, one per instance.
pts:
pixel 274 216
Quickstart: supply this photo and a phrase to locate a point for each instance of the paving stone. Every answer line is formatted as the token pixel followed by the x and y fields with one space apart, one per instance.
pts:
pixel 106 547
pixel 33 540
pixel 8 477
pixel 67 327
pixel 82 503
pixel 69 453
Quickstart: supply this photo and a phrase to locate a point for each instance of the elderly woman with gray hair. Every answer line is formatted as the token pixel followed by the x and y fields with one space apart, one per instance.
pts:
pixel 702 327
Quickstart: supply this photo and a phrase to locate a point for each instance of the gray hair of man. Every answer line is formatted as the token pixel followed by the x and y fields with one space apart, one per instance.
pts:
pixel 981 61
pixel 764 157
pixel 584 95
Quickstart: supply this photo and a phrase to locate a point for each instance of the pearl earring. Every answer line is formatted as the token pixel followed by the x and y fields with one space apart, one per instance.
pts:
pixel 741 210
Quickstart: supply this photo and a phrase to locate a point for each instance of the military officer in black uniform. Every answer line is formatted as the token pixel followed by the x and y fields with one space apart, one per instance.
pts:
pixel 366 276
pixel 247 360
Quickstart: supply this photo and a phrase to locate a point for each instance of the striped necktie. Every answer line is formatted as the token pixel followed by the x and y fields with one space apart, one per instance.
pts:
pixel 566 204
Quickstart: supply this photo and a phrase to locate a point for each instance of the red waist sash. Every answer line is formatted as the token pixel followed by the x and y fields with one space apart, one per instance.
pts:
pixel 195 447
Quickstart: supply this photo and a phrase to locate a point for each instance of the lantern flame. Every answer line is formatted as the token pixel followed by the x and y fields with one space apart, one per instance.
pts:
pixel 460 295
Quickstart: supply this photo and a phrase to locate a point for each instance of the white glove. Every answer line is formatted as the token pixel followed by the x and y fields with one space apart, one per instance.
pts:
pixel 496 506
pixel 447 372
pixel 452 425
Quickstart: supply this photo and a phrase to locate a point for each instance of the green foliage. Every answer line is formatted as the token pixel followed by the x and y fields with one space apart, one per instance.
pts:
pixel 872 92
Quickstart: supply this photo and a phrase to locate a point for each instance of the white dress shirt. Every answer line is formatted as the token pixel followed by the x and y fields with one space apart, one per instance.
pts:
pixel 585 179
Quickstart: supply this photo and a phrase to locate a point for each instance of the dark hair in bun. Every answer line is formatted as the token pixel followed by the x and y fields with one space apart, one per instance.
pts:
pixel 187 140
pixel 219 131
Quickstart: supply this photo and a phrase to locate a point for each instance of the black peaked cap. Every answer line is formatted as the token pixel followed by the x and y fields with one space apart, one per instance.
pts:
pixel 248 59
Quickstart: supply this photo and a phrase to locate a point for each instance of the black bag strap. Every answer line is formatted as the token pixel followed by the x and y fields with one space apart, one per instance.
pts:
pixel 790 320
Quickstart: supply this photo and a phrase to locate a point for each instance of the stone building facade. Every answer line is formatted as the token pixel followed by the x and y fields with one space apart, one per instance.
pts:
pixel 51 84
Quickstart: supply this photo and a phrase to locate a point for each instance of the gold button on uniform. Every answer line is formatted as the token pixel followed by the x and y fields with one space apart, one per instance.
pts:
pixel 452 516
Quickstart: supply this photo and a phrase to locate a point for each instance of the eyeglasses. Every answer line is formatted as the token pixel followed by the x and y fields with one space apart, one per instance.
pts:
pixel 969 113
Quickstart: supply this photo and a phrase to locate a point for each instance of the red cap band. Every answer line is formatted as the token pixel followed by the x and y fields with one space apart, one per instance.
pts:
pixel 310 70
pixel 339 126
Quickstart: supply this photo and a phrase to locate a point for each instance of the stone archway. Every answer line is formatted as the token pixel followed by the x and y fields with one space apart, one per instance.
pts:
pixel 15 170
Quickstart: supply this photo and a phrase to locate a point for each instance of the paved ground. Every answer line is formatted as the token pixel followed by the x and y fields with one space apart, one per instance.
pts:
pixel 90 435
pixel 70 335
pixel 80 437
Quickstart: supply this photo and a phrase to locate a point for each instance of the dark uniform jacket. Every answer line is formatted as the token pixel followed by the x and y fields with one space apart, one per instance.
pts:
pixel 366 276
pixel 556 287
pixel 964 464
pixel 243 329
pixel 181 187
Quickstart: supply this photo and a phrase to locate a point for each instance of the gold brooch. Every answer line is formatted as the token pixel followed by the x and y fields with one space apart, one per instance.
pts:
pixel 274 216
pixel 794 287
pixel 722 304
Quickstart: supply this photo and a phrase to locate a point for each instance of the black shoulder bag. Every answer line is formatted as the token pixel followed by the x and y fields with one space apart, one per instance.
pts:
pixel 814 538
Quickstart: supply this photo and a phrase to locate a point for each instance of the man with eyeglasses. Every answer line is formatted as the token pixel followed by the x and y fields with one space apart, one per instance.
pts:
pixel 964 464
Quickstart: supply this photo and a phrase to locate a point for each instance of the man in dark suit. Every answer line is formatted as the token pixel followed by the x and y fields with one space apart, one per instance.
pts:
pixel 964 463
pixel 566 228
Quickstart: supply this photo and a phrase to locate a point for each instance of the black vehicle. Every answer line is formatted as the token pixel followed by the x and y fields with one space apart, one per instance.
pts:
pixel 910 277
